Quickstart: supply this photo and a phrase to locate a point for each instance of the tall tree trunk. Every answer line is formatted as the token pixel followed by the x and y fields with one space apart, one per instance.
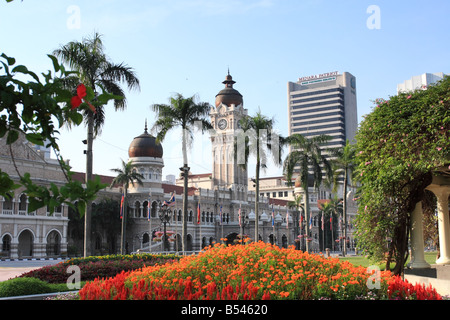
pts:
pixel 344 212
pixel 185 170
pixel 257 201
pixel 89 165
pixel 123 237
pixel 305 185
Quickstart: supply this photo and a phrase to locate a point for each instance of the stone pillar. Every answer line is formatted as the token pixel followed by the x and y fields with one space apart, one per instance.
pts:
pixel 442 192
pixel 417 246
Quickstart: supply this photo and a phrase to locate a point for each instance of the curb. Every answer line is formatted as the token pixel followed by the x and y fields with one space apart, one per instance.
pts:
pixel 31 259
pixel 36 296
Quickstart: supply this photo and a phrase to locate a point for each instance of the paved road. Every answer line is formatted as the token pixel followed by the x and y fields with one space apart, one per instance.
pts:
pixel 12 269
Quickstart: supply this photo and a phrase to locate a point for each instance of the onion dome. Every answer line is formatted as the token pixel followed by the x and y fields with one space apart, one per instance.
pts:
pixel 145 145
pixel 229 95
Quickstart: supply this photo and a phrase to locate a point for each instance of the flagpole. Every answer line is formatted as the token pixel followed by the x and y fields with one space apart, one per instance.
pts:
pixel 221 221
pixel 323 233
pixel 273 226
pixel 199 221
pixel 240 220
pixel 149 209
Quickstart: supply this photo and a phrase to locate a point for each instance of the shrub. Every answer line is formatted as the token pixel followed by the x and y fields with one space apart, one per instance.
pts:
pixel 254 271
pixel 23 286
pixel 97 267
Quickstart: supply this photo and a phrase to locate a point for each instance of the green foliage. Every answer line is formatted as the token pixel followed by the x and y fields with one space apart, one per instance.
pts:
pixel 98 266
pixel 399 146
pixel 37 109
pixel 25 286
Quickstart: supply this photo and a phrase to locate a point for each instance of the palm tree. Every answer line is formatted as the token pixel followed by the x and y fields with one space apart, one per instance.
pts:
pixel 332 208
pixel 299 206
pixel 306 158
pixel 125 175
pixel 259 140
pixel 344 164
pixel 97 72
pixel 185 113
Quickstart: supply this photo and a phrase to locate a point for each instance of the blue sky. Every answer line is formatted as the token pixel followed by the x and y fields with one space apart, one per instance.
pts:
pixel 187 46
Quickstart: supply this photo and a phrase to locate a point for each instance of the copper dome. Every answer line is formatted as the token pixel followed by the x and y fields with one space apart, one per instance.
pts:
pixel 145 146
pixel 229 95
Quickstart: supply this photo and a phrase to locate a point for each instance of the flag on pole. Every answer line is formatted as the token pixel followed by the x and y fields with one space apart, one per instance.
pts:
pixel 287 220
pixel 301 220
pixel 240 219
pixel 198 213
pixel 171 201
pixel 121 206
pixel 273 217
pixel 149 209
pixel 310 223
pixel 331 222
pixel 322 221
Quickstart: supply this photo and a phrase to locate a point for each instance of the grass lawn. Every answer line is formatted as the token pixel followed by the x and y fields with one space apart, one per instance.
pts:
pixel 430 257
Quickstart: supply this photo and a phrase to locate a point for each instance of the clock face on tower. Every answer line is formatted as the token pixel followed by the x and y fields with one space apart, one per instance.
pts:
pixel 222 124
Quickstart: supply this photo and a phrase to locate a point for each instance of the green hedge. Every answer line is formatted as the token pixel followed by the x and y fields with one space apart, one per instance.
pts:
pixel 98 267
pixel 28 286
pixel 54 278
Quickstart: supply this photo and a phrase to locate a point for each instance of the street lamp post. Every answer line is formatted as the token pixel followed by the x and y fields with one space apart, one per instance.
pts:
pixel 165 214
pixel 244 222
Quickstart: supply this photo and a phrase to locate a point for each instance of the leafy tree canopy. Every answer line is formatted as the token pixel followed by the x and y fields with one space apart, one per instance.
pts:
pixel 37 106
pixel 399 145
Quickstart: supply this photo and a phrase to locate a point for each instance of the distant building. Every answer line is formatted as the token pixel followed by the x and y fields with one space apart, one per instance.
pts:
pixel 420 81
pixel 35 234
pixel 324 104
pixel 220 196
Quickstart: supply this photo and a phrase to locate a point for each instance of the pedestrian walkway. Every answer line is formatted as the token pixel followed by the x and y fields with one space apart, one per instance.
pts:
pixel 12 272
pixel 11 268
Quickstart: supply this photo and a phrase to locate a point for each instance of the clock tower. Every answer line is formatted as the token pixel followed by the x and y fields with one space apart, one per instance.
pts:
pixel 225 116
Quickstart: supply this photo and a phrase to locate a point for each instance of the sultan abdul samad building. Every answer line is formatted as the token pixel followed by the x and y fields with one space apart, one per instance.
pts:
pixel 221 193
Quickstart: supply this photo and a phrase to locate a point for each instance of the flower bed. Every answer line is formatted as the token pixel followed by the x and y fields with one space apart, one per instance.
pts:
pixel 98 267
pixel 253 271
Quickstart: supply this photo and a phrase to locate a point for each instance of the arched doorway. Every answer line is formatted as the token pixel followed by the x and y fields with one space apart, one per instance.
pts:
pixel 188 242
pixel 53 244
pixel 231 238
pixel 284 242
pixel 25 248
pixel 272 239
pixel 6 246
pixel 145 239
pixel 178 244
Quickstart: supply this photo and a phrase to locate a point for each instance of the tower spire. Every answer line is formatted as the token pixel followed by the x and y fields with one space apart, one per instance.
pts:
pixel 229 80
pixel 145 129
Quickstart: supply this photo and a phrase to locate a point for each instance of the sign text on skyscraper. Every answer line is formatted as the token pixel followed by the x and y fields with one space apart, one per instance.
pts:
pixel 318 76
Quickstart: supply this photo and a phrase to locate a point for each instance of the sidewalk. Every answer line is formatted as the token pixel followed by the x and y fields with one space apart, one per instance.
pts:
pixel 11 272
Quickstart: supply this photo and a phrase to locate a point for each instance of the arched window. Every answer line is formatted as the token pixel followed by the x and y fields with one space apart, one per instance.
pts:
pixel 8 206
pixel 154 209
pixel 145 213
pixel 143 173
pixel 137 209
pixel 23 206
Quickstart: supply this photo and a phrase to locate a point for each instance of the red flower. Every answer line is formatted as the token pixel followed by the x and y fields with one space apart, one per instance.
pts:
pixel 77 100
pixel 81 91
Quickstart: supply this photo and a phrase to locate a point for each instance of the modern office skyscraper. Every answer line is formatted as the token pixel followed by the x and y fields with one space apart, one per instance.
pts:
pixel 324 104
